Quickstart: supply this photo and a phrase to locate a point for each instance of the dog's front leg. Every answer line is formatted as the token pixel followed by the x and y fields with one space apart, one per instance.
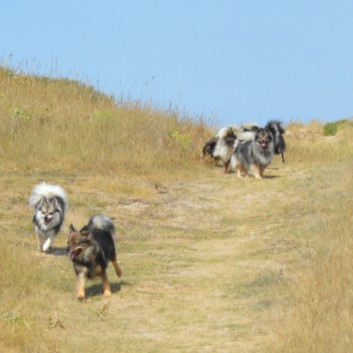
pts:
pixel 257 171
pixel 49 242
pixel 40 242
pixel 261 171
pixel 80 285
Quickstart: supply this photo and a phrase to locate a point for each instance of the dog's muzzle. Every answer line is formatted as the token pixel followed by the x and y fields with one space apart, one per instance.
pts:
pixel 47 219
pixel 264 144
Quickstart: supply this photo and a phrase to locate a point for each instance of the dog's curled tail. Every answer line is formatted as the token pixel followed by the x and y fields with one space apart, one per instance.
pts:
pixel 48 191
pixel 102 222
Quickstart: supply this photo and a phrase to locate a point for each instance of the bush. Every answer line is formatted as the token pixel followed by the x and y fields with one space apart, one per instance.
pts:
pixel 330 129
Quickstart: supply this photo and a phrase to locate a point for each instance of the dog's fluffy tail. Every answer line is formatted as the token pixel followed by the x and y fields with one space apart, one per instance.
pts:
pixel 47 191
pixel 247 132
pixel 102 222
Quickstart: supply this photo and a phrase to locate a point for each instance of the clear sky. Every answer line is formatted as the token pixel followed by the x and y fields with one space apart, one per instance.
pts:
pixel 229 61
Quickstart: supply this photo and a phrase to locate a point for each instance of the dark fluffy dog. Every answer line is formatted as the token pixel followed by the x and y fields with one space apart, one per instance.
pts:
pixel 90 251
pixel 254 154
pixel 277 131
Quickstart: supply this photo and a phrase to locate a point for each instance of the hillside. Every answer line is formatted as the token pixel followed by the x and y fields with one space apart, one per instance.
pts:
pixel 73 126
pixel 212 263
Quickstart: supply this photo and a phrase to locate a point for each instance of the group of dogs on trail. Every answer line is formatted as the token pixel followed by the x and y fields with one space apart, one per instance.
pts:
pixel 246 149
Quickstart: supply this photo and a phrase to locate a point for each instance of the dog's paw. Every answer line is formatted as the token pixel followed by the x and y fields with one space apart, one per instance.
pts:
pixel 107 293
pixel 118 268
pixel 80 297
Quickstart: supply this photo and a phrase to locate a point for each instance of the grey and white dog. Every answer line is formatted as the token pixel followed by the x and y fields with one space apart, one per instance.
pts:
pixel 254 154
pixel 50 204
pixel 222 146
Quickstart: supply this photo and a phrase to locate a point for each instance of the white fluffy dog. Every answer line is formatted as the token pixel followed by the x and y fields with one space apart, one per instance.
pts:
pixel 50 204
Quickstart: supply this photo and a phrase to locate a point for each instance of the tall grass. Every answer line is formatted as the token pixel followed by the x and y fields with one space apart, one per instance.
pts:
pixel 62 124
pixel 319 311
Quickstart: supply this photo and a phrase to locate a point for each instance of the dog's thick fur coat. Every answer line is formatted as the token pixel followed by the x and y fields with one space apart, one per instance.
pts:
pixel 50 205
pixel 254 155
pixel 90 250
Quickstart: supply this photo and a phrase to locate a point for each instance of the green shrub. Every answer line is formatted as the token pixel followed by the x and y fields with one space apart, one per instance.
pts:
pixel 330 129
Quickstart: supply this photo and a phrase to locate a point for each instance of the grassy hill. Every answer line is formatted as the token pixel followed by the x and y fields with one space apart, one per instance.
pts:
pixel 212 263
pixel 61 125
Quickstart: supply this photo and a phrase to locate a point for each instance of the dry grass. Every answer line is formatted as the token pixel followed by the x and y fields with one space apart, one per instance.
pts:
pixel 308 145
pixel 319 312
pixel 212 263
pixel 62 125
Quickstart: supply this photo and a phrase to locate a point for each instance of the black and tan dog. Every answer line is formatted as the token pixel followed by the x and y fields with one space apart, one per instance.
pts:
pixel 90 250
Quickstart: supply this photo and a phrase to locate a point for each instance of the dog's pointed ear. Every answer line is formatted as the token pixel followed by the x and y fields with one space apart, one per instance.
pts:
pixel 41 202
pixel 271 129
pixel 84 231
pixel 72 228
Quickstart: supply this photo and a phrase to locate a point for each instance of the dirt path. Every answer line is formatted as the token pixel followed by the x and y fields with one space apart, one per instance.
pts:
pixel 200 269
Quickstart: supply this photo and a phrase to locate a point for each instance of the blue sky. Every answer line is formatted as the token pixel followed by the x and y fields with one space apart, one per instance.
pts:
pixel 227 61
